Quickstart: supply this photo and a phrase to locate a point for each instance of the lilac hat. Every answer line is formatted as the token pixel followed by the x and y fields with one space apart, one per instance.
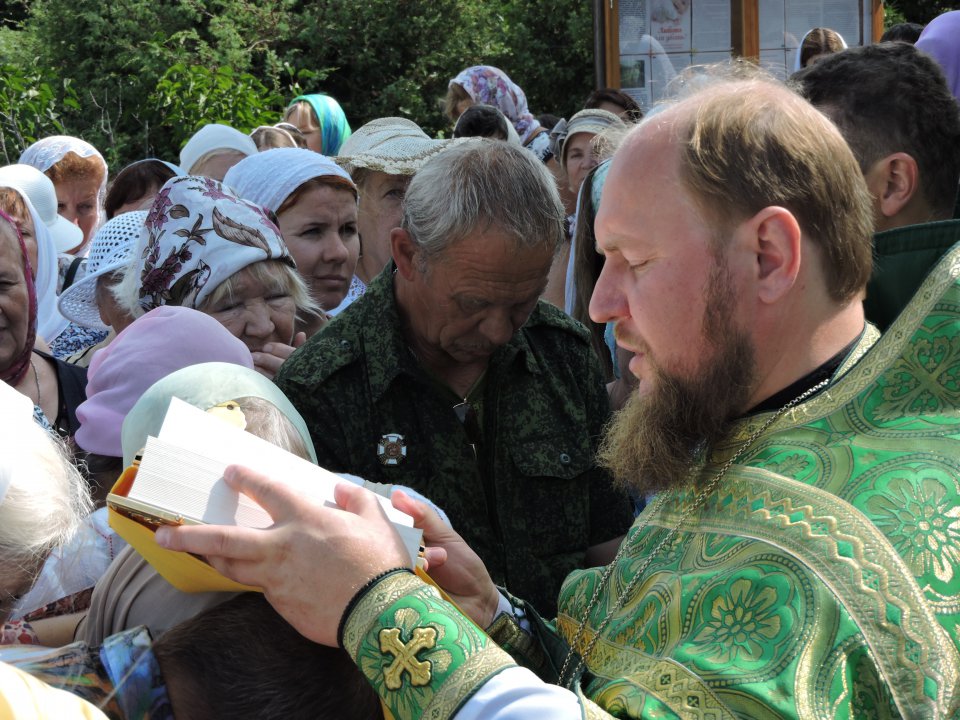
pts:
pixel 153 346
pixel 941 39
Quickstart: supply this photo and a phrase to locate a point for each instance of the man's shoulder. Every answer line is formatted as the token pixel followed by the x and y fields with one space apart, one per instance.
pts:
pixel 337 346
pixel 547 320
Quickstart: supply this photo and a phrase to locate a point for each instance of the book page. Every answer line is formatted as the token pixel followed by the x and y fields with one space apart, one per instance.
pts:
pixel 197 431
pixel 182 473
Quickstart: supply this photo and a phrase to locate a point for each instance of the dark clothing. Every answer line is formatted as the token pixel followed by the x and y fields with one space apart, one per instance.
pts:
pixel 903 257
pixel 531 500
pixel 71 391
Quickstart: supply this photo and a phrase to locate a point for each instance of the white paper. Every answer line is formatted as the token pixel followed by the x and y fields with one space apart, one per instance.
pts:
pixel 202 433
pixel 193 450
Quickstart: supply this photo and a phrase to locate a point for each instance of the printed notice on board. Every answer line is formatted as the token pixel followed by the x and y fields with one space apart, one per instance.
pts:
pixel 659 38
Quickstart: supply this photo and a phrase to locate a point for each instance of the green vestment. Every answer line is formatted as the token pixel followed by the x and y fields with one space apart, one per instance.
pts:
pixel 819 580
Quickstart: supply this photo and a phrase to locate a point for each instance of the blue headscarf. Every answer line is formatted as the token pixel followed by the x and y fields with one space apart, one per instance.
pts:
pixel 334 128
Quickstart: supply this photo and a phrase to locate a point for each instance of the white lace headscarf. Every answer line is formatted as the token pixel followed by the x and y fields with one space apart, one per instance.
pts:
pixel 47 152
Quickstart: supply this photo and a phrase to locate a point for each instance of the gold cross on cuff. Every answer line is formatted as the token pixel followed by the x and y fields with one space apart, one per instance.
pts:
pixel 405 656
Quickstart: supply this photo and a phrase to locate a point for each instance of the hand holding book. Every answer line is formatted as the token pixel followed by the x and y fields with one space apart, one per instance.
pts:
pixel 311 561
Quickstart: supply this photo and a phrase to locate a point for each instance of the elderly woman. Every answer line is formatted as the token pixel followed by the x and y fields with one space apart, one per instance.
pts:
pixel 54 387
pixel 382 157
pixel 321 121
pixel 487 85
pixel 315 202
pixel 204 248
pixel 90 302
pixel 214 149
pixel 79 174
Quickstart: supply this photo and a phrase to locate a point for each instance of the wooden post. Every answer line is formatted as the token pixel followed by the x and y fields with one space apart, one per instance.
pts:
pixel 745 28
pixel 611 29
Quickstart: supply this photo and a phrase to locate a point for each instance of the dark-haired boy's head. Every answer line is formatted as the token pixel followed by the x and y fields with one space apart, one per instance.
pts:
pixel 482 121
pixel 907 32
pixel 241 659
pixel 893 106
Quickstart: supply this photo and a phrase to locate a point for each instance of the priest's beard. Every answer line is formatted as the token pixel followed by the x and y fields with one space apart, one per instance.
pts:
pixel 656 440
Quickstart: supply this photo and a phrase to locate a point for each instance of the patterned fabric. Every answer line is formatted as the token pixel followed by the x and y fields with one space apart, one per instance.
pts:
pixel 199 233
pixel 543 406
pixel 903 257
pixel 75 339
pixel 488 85
pixel 820 579
pixel 422 657
pixel 121 677
pixel 334 128
pixel 18 632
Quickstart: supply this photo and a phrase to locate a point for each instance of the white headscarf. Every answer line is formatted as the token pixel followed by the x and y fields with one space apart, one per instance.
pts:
pixel 50 323
pixel 48 151
pixel 270 177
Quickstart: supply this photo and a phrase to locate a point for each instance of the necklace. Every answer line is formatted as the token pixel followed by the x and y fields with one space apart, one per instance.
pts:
pixel 700 499
pixel 36 381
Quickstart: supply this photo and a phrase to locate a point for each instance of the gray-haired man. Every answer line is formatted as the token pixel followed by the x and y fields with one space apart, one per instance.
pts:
pixel 451 377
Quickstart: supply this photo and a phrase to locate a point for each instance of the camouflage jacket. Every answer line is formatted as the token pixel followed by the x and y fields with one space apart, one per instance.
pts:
pixel 531 500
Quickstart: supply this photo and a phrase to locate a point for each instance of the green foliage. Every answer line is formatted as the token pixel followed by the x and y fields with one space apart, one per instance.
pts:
pixel 188 97
pixel 918 11
pixel 146 74
pixel 29 109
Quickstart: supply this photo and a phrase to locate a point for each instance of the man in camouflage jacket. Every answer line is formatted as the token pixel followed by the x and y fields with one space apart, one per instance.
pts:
pixel 451 377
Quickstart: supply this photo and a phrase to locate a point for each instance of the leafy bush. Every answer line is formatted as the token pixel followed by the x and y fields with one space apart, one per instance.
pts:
pixel 30 108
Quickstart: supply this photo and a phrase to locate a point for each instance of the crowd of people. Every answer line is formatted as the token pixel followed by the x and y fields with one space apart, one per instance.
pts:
pixel 673 394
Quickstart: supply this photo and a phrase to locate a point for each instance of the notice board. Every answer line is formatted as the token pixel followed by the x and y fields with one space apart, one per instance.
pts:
pixel 647 42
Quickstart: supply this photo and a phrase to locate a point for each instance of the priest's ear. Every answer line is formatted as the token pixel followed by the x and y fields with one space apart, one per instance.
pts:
pixel 893 181
pixel 774 238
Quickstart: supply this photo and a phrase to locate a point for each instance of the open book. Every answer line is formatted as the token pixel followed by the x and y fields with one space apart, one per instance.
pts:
pixel 180 477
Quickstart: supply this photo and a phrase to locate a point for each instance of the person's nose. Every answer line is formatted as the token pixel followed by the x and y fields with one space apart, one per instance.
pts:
pixel 259 323
pixel 608 301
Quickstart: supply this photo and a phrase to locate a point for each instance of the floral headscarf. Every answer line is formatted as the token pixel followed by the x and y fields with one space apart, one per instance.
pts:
pixel 197 234
pixel 334 128
pixel 488 85
pixel 18 368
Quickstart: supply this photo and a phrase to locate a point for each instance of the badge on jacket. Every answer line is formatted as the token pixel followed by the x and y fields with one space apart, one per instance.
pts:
pixel 391 450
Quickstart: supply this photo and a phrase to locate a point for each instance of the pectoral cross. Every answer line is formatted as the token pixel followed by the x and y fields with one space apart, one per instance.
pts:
pixel 405 656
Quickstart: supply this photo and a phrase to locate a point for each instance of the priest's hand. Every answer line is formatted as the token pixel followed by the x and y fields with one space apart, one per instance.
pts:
pixel 452 563
pixel 311 561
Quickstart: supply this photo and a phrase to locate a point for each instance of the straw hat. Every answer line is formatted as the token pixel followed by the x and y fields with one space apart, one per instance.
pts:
pixel 391 145
pixel 111 249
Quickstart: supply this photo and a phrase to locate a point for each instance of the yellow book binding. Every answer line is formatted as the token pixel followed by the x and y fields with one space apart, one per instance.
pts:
pixel 137 523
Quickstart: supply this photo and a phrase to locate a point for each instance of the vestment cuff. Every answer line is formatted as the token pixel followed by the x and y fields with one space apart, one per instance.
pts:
pixel 422 656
